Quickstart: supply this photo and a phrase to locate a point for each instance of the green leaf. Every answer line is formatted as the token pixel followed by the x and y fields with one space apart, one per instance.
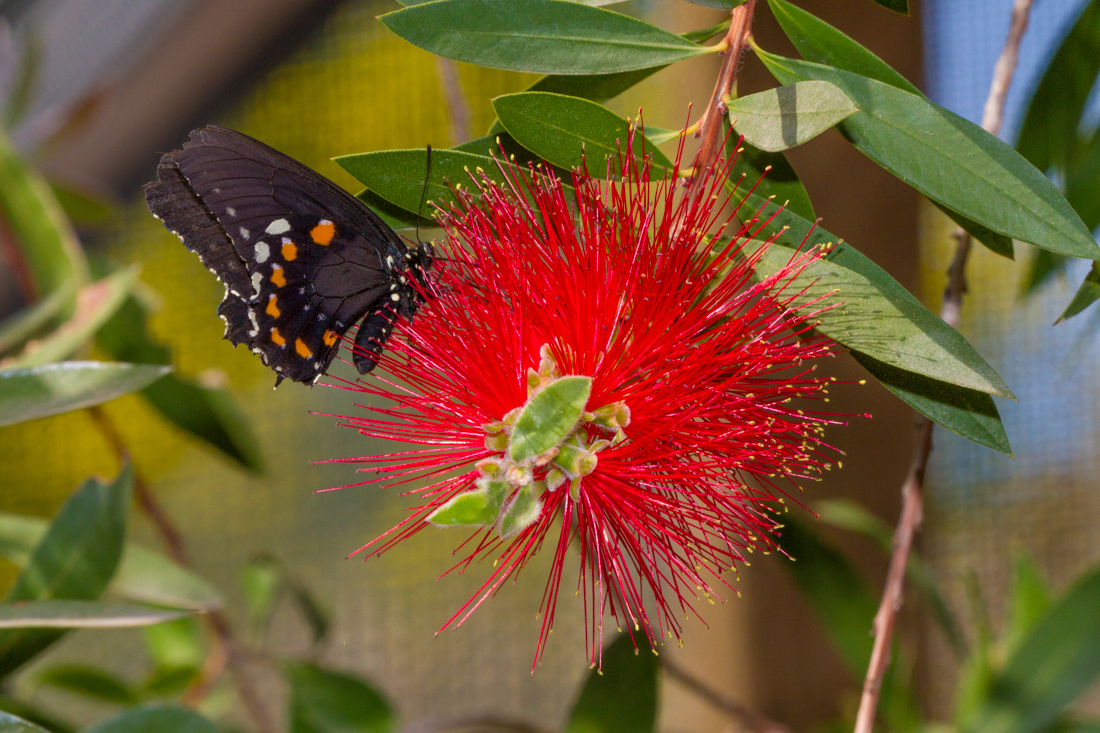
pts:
pixel 898 6
pixel 1028 603
pixel 1041 268
pixel 330 702
pixel 80 615
pixel 820 42
pixel 89 682
pixel 593 87
pixel 1083 181
pixel 142 575
pixel 1057 661
pixel 157 719
pixel 45 237
pixel 1053 116
pixel 19 327
pixel 521 513
pixel 177 652
pixel 261 580
pixel 41 391
pixel 504 146
pixel 394 216
pixel 570 132
pixel 475 508
pixel 74 561
pixel 873 313
pixel 840 599
pixel 779 178
pixel 548 417
pixel 996 243
pixel 81 207
pixel 25 81
pixel 539 36
pixel 11 724
pixel 853 517
pixel 788 116
pixel 621 696
pixel 96 303
pixel 968 412
pixel 950 160
pixel 1085 296
pixel 315 614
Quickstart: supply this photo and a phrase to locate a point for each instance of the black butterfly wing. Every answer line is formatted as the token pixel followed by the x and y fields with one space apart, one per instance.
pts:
pixel 301 259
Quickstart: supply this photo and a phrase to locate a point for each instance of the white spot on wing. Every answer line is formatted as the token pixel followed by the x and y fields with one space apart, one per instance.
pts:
pixel 255 325
pixel 244 234
pixel 230 210
pixel 257 278
pixel 262 252
pixel 279 226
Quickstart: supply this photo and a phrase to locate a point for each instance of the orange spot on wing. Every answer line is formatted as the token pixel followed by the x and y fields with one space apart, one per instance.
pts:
pixel 290 250
pixel 277 276
pixel 323 233
pixel 302 349
pixel 329 338
pixel 273 307
pixel 277 337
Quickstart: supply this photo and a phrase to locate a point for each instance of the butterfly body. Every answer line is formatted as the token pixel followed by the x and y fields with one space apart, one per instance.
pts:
pixel 302 260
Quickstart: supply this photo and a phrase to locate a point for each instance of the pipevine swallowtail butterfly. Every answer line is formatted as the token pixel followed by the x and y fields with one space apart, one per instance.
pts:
pixel 301 259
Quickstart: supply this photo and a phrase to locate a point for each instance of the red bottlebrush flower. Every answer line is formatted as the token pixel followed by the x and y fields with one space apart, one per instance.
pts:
pixel 596 372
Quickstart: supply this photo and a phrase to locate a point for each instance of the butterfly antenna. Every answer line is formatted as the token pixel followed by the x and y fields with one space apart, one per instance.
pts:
pixel 423 195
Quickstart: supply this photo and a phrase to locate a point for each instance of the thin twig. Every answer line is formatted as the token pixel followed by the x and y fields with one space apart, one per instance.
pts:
pixel 751 720
pixel 912 490
pixel 458 111
pixel 710 132
pixel 225 652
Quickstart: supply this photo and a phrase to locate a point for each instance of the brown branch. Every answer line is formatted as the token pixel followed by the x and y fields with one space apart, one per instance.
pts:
pixel 750 719
pixel 710 124
pixel 912 511
pixel 225 652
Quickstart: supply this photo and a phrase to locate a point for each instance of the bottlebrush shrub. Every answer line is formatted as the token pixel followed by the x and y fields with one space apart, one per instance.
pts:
pixel 594 371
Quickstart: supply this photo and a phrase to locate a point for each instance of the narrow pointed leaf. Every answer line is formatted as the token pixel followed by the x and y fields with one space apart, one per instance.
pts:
pixel 142 575
pixel 81 207
pixel 996 243
pixel 74 561
pixel 968 412
pixel 330 702
pixel 157 719
pixel 874 314
pixel 96 303
pixel 1086 295
pixel 621 696
pixel 785 117
pixel 394 216
pixel 89 682
pixel 42 391
pixel 1053 116
pixel 80 615
pixel 571 132
pixel 898 6
pixel 1083 181
pixel 1043 266
pixel 539 36
pixel 1030 600
pixel 772 175
pixel 821 43
pixel 17 328
pixel 950 160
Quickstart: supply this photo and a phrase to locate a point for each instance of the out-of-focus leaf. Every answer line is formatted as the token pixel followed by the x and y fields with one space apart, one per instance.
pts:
pixel 1051 667
pixel 158 719
pixel 772 175
pixel 41 391
pixel 89 682
pixel 96 303
pixel 1053 116
pixel 898 6
pixel 177 652
pixel 950 160
pixel 81 207
pixel 788 116
pixel 19 327
pixel 142 575
pixel 1085 296
pixel 968 412
pixel 80 615
pixel 853 517
pixel 539 36
pixel 1028 603
pixel 314 613
pixel 875 315
pixel 1083 181
pixel 11 724
pixel 820 42
pixel 840 599
pixel 26 79
pixel 621 696
pixel 74 561
pixel 330 702
pixel 43 234
pixel 1040 269
pixel 261 579
pixel 570 132
pixel 718 4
